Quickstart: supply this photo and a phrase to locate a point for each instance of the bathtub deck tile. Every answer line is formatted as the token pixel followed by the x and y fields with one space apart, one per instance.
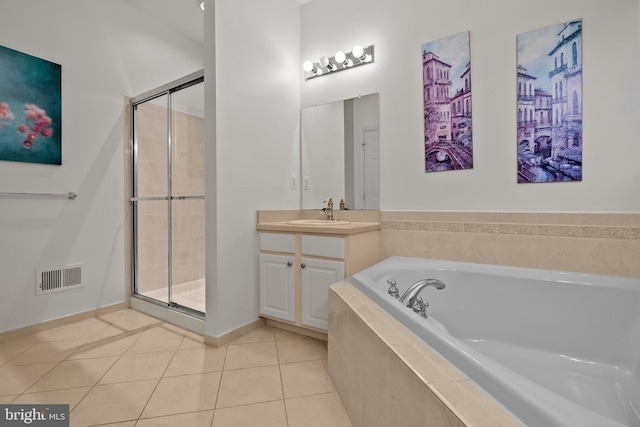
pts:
pixel 385 326
pixel 444 365
pixel 404 389
pixel 378 375
pixel 423 364
pixel 337 316
pixel 438 414
pixel 387 331
pixel 348 386
pixel 472 405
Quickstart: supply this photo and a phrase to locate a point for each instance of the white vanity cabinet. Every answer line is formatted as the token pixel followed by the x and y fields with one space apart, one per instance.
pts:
pixel 277 276
pixel 296 270
pixel 317 276
pixel 278 286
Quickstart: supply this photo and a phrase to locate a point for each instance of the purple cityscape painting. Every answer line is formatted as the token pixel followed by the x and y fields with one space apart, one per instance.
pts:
pixel 550 104
pixel 446 73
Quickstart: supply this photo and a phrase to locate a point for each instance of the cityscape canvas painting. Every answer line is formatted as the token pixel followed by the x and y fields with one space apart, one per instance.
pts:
pixel 30 108
pixel 446 73
pixel 550 104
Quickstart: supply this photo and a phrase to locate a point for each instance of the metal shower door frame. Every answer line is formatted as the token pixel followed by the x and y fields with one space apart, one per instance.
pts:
pixel 168 89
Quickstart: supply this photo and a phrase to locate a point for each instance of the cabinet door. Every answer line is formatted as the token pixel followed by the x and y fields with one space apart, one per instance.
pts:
pixel 317 276
pixel 277 287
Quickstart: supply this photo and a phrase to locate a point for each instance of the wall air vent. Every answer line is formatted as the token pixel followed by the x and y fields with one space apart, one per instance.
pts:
pixel 60 279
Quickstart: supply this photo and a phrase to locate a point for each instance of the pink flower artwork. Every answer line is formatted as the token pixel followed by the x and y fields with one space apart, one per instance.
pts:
pixel 37 123
pixel 5 112
pixel 30 108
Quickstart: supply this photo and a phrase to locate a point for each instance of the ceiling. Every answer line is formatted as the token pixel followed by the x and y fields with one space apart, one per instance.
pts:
pixel 184 16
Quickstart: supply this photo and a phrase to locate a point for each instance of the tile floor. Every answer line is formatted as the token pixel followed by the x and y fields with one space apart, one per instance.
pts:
pixel 128 369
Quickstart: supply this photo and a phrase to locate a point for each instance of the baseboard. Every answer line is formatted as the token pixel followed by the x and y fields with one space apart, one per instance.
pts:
pixel 232 335
pixel 61 321
pixel 319 335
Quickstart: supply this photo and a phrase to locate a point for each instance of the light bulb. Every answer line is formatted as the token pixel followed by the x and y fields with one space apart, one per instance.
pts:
pixel 324 62
pixel 358 51
pixel 340 57
pixel 308 66
pixel 200 4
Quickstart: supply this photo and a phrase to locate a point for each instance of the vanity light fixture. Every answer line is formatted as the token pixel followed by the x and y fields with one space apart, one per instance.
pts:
pixel 341 58
pixel 358 52
pixel 325 63
pixel 340 61
pixel 310 68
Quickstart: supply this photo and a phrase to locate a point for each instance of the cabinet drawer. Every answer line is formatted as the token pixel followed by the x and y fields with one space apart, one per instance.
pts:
pixel 276 242
pixel 328 247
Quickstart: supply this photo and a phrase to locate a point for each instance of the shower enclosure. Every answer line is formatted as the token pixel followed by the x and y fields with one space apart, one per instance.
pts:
pixel 168 195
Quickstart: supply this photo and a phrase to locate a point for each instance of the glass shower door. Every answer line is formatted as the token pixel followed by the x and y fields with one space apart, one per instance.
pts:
pixel 168 198
pixel 187 189
pixel 151 199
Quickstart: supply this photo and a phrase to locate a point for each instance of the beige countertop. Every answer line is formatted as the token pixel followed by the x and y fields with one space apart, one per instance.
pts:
pixel 353 227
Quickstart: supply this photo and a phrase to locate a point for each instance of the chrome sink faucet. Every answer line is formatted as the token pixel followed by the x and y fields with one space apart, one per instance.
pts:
pixel 411 295
pixel 329 208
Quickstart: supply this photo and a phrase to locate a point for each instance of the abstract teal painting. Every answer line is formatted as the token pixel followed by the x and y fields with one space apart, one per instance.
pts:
pixel 30 108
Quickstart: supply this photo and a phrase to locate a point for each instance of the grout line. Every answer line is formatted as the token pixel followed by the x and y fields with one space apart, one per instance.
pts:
pixel 160 417
pixel 284 402
pixel 224 362
pixel 250 404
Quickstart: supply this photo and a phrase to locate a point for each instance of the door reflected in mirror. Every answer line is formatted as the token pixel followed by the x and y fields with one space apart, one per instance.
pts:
pixel 340 153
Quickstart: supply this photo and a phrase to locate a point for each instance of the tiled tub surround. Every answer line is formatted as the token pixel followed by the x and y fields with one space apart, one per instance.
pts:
pixel 557 349
pixel 386 376
pixel 597 243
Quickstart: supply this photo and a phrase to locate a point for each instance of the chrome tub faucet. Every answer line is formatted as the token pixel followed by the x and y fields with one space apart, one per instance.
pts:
pixel 410 296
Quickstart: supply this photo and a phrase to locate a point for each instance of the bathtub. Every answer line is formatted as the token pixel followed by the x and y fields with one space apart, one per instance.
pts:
pixel 553 348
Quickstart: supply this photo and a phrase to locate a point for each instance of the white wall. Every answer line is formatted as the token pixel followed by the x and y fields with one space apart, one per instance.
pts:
pixel 256 132
pixel 107 50
pixel 611 66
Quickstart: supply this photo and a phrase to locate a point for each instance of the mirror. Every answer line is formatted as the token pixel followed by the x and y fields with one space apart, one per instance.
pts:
pixel 340 153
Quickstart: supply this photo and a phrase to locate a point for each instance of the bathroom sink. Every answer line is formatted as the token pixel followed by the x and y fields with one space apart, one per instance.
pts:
pixel 317 222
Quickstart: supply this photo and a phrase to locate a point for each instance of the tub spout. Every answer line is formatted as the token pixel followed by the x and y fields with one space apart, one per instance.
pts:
pixel 411 295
